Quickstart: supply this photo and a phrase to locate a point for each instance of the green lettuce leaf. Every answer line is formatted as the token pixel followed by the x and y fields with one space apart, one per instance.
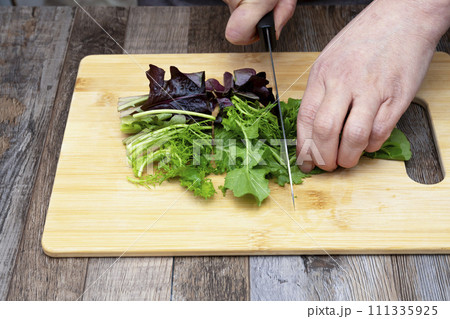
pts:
pixel 243 181
pixel 396 147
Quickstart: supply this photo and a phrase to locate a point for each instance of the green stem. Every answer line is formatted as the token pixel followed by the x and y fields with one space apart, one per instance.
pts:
pixel 247 144
pixel 292 160
pixel 135 102
pixel 165 111
pixel 145 141
pixel 277 157
pixel 154 157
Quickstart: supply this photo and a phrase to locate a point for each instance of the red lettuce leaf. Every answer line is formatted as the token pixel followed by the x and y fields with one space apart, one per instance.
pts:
pixel 253 86
pixel 246 83
pixel 242 76
pixel 190 91
pixel 212 85
pixel 228 81
pixel 195 103
pixel 184 91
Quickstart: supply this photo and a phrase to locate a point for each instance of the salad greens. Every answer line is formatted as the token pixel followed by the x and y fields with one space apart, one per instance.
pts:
pixel 189 128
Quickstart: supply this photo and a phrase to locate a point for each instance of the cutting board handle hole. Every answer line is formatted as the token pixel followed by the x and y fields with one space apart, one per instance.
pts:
pixel 425 165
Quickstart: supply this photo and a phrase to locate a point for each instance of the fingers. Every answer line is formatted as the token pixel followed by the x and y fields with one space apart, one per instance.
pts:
pixel 328 125
pixel 241 27
pixel 311 101
pixel 367 127
pixel 282 13
pixel 357 130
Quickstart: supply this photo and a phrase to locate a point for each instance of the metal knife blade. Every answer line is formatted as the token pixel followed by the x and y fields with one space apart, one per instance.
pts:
pixel 266 30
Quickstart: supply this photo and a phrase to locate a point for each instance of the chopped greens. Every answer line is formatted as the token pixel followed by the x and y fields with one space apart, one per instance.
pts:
pixel 189 128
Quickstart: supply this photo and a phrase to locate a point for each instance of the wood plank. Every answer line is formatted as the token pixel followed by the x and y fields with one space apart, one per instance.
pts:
pixel 28 85
pixel 211 278
pixel 36 276
pixel 425 277
pixel 158 30
pixel 322 278
pixel 312 27
pixel 150 30
pixel 128 279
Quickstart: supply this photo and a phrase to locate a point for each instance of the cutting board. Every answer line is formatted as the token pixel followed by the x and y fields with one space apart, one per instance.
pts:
pixel 370 209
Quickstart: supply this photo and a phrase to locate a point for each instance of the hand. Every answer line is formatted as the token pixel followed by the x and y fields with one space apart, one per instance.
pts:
pixel 245 15
pixel 366 78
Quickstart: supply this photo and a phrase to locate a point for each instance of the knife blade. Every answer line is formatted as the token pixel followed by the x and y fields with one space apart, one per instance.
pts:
pixel 266 31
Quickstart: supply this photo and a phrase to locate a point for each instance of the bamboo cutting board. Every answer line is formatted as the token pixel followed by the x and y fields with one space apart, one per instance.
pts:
pixel 372 208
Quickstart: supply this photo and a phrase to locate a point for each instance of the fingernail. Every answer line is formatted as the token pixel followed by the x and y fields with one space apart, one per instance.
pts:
pixel 306 167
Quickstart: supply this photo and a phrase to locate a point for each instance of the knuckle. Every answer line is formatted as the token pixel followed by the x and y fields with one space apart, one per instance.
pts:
pixel 357 135
pixel 319 68
pixel 307 113
pixel 380 133
pixel 325 127
pixel 395 89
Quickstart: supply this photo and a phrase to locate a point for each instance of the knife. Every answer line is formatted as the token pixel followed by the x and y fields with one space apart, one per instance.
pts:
pixel 266 31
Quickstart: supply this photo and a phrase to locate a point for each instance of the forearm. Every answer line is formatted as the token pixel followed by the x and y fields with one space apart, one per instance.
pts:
pixel 427 18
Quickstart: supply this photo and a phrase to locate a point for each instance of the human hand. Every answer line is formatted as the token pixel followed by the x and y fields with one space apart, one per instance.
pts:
pixel 366 78
pixel 245 15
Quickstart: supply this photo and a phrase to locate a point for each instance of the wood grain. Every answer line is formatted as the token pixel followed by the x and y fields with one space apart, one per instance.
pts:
pixel 425 277
pixel 128 279
pixel 36 276
pixel 150 30
pixel 424 166
pixel 322 278
pixel 312 27
pixel 372 208
pixel 211 278
pixel 27 89
pixel 157 30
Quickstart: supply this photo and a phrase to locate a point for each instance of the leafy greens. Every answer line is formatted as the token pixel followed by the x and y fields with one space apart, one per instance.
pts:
pixel 189 128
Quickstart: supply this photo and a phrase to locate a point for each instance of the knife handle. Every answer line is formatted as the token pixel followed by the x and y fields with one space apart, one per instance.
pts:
pixel 267 22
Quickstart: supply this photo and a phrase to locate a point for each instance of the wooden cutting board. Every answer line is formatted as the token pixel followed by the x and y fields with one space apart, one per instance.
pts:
pixel 372 208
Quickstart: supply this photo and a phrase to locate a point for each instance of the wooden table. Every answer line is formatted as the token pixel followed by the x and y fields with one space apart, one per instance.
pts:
pixel 40 49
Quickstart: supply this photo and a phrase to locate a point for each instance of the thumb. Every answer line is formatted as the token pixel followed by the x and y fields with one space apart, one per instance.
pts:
pixel 241 27
pixel 284 10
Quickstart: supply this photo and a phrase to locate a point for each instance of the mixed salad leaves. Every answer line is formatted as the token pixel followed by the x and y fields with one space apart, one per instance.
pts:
pixel 189 128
